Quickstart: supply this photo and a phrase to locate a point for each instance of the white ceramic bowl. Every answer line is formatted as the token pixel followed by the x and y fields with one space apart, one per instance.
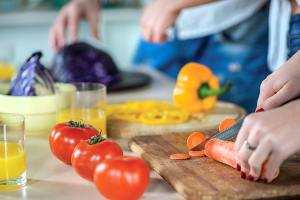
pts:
pixel 39 111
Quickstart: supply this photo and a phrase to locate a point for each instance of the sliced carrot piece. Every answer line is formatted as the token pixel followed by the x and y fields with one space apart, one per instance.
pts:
pixel 194 139
pixel 226 123
pixel 180 156
pixel 197 153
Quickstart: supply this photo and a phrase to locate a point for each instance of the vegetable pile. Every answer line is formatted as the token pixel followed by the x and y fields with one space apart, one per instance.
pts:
pixel 81 62
pixel 99 159
pixel 33 79
pixel 147 112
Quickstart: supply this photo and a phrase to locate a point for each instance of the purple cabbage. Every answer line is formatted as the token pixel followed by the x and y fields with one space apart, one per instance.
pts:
pixel 81 62
pixel 33 79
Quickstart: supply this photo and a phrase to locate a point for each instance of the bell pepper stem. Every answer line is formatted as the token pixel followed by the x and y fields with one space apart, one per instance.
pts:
pixel 204 91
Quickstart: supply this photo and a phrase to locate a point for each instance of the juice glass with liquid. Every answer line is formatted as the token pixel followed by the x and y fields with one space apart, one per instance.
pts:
pixel 82 101
pixel 12 151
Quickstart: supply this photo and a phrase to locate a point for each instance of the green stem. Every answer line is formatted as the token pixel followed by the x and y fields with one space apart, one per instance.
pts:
pixel 204 91
pixel 96 139
pixel 76 124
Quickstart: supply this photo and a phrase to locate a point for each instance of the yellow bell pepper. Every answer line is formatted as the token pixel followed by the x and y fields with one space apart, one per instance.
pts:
pixel 197 88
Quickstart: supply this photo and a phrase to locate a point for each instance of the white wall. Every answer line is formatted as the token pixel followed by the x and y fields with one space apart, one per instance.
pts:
pixel 28 32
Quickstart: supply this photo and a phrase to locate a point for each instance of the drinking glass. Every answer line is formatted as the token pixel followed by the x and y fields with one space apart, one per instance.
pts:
pixel 82 101
pixel 12 151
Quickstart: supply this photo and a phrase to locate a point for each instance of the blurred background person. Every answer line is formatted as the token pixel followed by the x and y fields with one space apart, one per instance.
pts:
pixel 231 37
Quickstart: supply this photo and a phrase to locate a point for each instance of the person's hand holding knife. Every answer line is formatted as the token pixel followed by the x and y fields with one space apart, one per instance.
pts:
pixel 275 133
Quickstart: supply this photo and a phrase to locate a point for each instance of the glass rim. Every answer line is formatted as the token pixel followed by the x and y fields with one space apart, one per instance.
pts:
pixel 15 121
pixel 101 87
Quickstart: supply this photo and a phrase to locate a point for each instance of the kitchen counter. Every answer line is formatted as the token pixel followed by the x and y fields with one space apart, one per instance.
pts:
pixel 49 178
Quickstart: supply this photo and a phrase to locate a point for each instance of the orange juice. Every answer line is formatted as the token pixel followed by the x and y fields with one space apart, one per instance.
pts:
pixel 12 160
pixel 6 70
pixel 94 117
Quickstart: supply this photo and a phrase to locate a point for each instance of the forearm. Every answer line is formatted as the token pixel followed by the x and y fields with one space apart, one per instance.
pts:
pixel 295 7
pixel 178 5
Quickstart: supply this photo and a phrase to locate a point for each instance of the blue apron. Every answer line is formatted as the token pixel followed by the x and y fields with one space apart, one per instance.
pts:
pixel 238 55
pixel 294 35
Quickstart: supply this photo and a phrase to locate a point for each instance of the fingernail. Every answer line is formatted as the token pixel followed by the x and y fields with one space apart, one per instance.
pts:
pixel 250 178
pixel 238 167
pixel 243 175
pixel 260 110
pixel 266 180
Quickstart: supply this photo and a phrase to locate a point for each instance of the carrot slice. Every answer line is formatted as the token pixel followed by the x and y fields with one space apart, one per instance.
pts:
pixel 179 156
pixel 197 153
pixel 194 139
pixel 226 123
pixel 224 152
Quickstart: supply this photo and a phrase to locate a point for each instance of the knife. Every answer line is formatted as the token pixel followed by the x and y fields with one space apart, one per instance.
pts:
pixel 227 134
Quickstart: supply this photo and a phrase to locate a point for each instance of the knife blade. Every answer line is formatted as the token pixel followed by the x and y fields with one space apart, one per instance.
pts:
pixel 227 134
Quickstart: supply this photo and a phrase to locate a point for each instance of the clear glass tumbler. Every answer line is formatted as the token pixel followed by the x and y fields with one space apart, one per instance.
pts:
pixel 82 101
pixel 12 151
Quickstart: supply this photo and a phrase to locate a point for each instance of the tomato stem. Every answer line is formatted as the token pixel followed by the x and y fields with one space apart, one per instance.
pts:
pixel 96 139
pixel 76 124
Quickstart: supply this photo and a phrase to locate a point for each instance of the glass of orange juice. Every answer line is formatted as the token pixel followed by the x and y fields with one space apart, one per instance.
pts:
pixel 12 151
pixel 82 101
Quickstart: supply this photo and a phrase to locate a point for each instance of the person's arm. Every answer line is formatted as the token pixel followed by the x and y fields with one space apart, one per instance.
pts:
pixel 69 16
pixel 283 85
pixel 159 15
pixel 295 7
pixel 275 133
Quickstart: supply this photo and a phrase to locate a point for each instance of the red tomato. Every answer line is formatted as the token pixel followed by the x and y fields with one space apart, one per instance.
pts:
pixel 122 177
pixel 64 138
pixel 85 157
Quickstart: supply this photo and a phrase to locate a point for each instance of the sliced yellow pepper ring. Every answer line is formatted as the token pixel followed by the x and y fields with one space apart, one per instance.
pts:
pixel 147 112
pixel 163 117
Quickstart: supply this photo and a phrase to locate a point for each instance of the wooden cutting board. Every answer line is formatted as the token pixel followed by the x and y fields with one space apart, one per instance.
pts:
pixel 198 122
pixel 204 178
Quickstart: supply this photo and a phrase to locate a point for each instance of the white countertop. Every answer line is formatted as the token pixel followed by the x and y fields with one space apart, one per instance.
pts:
pixel 49 178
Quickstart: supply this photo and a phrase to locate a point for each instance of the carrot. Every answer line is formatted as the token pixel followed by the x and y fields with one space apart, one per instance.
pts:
pixel 226 123
pixel 194 139
pixel 197 153
pixel 179 156
pixel 224 152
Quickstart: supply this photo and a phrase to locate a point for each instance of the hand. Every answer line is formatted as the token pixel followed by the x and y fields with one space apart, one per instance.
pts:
pixel 157 17
pixel 70 15
pixel 281 86
pixel 275 134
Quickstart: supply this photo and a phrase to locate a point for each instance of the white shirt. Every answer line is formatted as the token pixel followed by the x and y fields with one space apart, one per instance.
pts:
pixel 279 20
pixel 214 17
